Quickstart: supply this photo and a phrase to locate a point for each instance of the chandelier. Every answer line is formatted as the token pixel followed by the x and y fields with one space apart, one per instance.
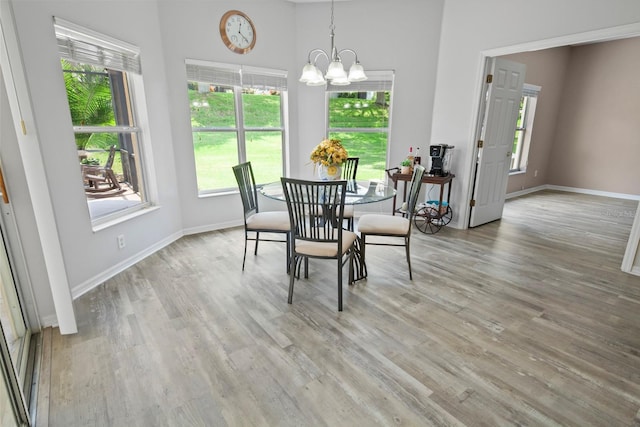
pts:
pixel 336 75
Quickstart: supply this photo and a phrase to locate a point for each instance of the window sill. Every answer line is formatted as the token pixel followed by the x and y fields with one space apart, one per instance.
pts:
pixel 105 223
pixel 207 195
pixel 519 172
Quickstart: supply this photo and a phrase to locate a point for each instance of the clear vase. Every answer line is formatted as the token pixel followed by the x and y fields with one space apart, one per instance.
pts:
pixel 329 173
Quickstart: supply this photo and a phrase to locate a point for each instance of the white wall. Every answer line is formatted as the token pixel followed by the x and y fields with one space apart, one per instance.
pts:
pixel 387 35
pixel 470 28
pixel 90 256
pixel 190 30
pixel 403 35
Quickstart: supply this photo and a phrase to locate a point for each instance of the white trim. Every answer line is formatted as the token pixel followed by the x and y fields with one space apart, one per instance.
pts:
pixel 526 191
pixel 594 192
pixel 97 280
pixel 215 227
pixel 211 64
pixel 32 159
pixel 123 216
pixel 574 190
pixel 612 33
pixel 633 245
pixel 605 34
pixel 90 36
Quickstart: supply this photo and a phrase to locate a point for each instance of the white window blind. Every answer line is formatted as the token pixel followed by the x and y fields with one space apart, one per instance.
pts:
pixel 530 90
pixel 377 81
pixel 264 79
pixel 222 75
pixel 213 75
pixel 82 45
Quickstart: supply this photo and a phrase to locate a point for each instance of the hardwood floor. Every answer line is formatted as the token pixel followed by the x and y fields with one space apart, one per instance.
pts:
pixel 524 321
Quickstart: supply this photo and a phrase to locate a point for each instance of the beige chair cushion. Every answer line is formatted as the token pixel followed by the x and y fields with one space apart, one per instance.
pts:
pixel 326 249
pixel 276 220
pixel 383 224
pixel 348 211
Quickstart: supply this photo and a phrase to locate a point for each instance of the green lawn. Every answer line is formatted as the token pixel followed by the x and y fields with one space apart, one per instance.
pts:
pixel 216 152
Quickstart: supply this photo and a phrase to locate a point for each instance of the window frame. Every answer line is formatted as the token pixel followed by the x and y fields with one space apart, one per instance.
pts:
pixel 519 158
pixel 378 81
pixel 80 45
pixel 238 78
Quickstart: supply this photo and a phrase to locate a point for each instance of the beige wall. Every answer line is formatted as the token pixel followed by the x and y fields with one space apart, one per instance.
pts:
pixel 545 68
pixel 593 91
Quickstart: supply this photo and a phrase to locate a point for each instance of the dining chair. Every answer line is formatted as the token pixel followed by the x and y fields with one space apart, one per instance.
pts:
pixel 349 170
pixel 393 226
pixel 317 234
pixel 255 221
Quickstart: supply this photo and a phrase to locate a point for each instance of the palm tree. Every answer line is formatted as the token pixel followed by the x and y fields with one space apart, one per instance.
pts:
pixel 90 99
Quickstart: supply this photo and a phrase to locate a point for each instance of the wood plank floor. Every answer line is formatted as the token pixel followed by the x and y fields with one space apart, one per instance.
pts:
pixel 526 321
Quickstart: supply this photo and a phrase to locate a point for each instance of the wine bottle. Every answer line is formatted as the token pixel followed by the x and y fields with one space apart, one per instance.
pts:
pixel 417 159
pixel 410 156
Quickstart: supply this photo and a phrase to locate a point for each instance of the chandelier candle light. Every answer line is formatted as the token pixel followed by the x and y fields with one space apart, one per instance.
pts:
pixel 336 75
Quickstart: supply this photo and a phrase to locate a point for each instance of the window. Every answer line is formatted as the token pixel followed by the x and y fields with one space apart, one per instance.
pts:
pixel 522 139
pixel 100 76
pixel 358 115
pixel 237 115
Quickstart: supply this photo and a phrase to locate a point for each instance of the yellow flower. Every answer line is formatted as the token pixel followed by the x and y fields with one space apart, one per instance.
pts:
pixel 329 152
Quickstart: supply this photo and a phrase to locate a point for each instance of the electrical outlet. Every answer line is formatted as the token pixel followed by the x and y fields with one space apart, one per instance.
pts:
pixel 121 242
pixel 535 173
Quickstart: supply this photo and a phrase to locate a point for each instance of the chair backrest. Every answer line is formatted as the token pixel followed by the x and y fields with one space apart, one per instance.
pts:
pixel 414 191
pixel 111 158
pixel 247 187
pixel 315 208
pixel 350 167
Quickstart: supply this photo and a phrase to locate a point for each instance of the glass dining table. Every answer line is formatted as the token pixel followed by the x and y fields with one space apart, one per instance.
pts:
pixel 358 193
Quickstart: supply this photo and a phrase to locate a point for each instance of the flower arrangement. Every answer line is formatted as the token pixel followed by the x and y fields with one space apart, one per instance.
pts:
pixel 329 152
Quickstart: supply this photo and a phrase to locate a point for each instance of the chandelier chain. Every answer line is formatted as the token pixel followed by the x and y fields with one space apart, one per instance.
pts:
pixel 335 73
pixel 332 26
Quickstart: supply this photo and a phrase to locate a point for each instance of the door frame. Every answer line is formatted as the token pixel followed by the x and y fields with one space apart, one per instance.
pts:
pixel 605 34
pixel 633 247
pixel 32 161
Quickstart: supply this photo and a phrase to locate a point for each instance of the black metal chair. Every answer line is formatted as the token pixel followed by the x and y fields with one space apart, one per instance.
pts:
pixel 255 221
pixel 393 226
pixel 315 214
pixel 349 170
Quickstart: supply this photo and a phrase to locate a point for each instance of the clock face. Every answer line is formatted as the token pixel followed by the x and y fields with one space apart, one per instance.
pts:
pixel 237 31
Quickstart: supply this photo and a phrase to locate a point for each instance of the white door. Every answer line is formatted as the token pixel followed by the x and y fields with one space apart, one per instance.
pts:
pixel 497 133
pixel 14 339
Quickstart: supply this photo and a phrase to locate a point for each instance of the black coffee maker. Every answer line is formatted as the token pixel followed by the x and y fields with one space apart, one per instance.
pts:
pixel 440 159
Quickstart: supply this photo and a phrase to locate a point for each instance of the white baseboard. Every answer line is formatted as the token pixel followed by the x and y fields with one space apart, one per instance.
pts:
pixel 49 321
pixel 214 227
pixel 574 190
pixel 91 283
pixel 525 191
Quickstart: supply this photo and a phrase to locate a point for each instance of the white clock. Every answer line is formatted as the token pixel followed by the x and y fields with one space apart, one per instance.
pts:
pixel 237 31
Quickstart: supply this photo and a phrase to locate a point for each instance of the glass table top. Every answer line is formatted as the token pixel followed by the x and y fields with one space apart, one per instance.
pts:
pixel 358 192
